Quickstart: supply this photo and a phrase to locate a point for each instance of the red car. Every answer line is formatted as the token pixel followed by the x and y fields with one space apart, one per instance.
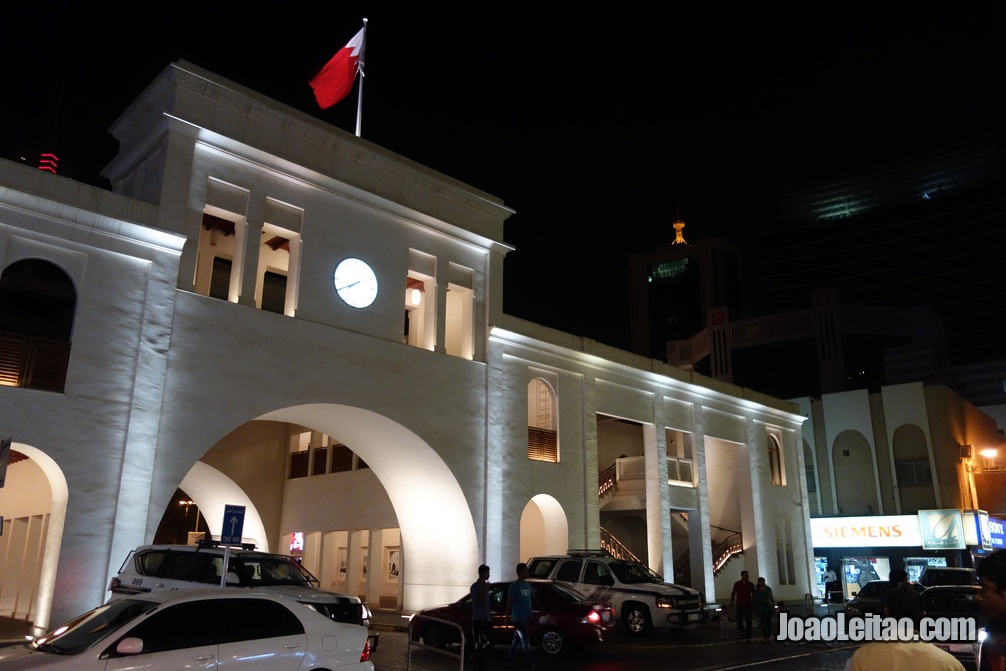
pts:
pixel 566 621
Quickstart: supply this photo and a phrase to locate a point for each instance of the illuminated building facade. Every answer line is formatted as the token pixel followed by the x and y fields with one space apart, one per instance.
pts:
pixel 269 312
pixel 894 455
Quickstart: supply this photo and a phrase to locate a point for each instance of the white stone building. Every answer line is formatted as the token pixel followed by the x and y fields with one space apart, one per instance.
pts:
pixel 185 331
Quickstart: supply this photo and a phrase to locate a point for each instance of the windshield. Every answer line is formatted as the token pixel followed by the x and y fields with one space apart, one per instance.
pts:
pixel 275 570
pixel 630 572
pixel 82 632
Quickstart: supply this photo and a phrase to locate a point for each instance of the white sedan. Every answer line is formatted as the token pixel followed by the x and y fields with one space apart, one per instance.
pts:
pixel 204 630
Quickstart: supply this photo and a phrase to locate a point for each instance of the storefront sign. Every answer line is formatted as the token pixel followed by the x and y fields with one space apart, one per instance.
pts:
pixel 976 529
pixel 997 533
pixel 864 532
pixel 942 529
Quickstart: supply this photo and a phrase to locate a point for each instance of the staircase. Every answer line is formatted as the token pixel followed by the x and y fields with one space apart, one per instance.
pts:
pixel 615 548
pixel 722 552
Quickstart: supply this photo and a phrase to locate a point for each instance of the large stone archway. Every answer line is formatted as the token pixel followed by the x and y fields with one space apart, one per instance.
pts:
pixel 423 490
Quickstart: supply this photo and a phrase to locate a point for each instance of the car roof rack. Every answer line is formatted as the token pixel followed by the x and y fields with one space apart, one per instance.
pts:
pixel 588 552
pixel 211 543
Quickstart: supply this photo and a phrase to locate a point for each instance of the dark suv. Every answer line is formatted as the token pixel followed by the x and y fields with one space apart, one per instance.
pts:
pixel 944 575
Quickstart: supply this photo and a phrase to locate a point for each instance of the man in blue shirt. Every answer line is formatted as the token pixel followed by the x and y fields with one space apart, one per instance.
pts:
pixel 520 601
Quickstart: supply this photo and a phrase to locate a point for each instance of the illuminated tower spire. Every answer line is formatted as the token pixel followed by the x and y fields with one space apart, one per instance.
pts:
pixel 679 226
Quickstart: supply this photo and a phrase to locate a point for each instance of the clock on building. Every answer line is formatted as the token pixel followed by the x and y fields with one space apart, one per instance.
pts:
pixel 355 282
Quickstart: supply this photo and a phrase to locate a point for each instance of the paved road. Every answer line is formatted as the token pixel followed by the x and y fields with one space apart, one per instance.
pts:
pixel 691 651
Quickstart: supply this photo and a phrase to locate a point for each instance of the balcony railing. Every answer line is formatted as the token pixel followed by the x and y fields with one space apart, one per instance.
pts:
pixel 35 363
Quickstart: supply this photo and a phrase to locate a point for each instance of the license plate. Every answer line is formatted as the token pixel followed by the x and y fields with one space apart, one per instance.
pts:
pixel 692 617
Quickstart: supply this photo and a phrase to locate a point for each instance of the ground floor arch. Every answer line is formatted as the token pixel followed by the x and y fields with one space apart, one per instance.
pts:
pixel 544 529
pixel 34 503
pixel 424 493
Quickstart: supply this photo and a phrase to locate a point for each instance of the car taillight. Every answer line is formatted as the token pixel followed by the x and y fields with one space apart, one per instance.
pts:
pixel 365 655
pixel 594 616
pixel 113 584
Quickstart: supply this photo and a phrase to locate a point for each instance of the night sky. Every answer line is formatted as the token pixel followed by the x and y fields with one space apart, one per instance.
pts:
pixel 595 125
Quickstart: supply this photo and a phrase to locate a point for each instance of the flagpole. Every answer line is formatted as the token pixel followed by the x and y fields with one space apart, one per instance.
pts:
pixel 359 91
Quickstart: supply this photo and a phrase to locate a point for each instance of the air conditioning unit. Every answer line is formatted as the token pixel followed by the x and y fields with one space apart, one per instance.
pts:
pixel 967 451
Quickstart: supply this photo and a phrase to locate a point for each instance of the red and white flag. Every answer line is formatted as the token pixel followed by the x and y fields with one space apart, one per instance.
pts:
pixel 335 80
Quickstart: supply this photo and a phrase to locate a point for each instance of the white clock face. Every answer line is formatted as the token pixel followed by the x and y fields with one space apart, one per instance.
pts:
pixel 355 283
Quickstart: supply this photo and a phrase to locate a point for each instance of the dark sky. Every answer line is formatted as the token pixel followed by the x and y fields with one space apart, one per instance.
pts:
pixel 595 125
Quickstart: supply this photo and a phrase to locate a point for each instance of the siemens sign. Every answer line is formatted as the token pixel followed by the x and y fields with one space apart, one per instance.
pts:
pixel 866 532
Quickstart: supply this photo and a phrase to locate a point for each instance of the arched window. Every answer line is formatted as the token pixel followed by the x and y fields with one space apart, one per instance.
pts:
pixel 775 461
pixel 542 424
pixel 912 470
pixel 37 306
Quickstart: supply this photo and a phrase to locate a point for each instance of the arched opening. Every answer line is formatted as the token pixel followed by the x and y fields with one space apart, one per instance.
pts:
pixel 37 305
pixel 855 475
pixel 544 529
pixel 423 493
pixel 912 470
pixel 210 490
pixel 34 502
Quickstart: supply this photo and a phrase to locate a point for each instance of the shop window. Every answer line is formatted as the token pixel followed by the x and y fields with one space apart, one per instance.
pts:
pixel 37 306
pixel 543 438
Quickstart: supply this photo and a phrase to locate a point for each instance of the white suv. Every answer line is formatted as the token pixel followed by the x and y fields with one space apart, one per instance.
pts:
pixel 154 568
pixel 641 597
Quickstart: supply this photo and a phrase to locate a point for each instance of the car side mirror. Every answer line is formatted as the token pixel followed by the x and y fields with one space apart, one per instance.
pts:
pixel 232 578
pixel 854 593
pixel 130 646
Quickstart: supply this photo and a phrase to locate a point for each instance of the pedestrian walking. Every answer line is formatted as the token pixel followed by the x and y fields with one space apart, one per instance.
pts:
pixel 519 606
pixel 764 604
pixel 482 617
pixel 743 597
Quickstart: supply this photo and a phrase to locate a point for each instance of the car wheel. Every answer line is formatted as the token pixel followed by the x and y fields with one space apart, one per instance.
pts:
pixel 433 636
pixel 553 642
pixel 637 619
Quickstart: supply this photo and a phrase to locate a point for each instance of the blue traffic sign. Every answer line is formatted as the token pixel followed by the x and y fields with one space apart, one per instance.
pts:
pixel 234 524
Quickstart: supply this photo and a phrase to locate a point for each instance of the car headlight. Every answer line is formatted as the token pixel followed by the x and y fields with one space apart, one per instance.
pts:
pixel 665 602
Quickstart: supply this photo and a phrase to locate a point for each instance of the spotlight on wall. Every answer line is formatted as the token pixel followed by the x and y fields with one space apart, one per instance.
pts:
pixel 415 295
pixel 989 452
